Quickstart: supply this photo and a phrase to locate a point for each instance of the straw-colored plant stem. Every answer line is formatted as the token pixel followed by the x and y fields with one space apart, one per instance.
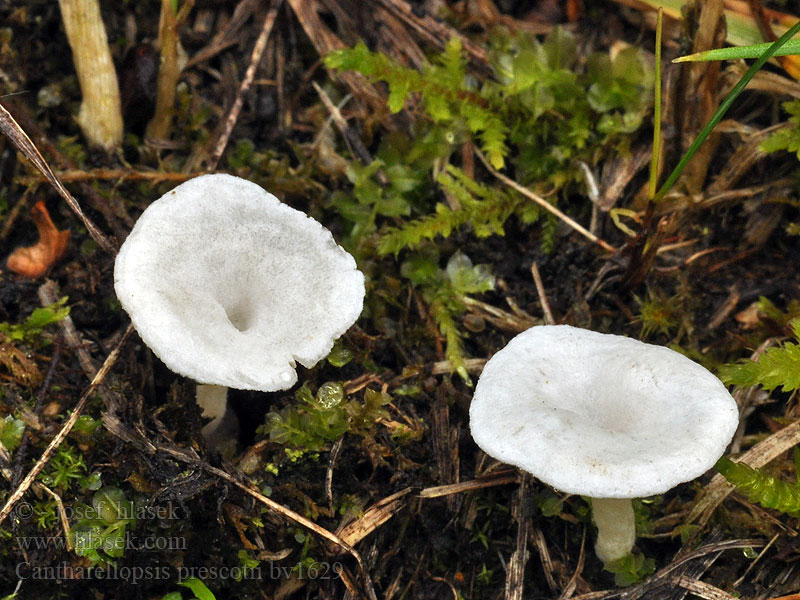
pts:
pixel 100 116
pixel 170 68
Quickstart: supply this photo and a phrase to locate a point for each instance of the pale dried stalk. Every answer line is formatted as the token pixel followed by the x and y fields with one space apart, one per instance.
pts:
pixel 169 70
pixel 756 457
pixel 544 204
pixel 537 280
pixel 515 573
pixel 100 116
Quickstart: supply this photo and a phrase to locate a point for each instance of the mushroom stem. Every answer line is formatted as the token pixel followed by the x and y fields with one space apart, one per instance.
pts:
pixel 616 529
pixel 224 426
pixel 213 400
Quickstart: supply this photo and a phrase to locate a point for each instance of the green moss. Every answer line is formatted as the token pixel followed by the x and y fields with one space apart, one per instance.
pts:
pixel 775 368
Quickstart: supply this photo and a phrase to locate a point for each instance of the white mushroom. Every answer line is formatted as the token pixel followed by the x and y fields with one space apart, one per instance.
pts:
pixel 232 288
pixel 602 416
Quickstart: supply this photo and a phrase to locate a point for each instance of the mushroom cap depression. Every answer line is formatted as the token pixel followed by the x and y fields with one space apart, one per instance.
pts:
pixel 231 287
pixel 600 415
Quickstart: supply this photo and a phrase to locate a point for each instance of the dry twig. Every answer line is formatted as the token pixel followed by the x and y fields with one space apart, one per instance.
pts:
pixel 65 429
pixel 118 175
pixel 247 81
pixel 226 37
pixel 515 574
pixel 500 478
pixel 183 456
pixel 759 455
pixel 537 280
pixel 545 205
pixel 24 144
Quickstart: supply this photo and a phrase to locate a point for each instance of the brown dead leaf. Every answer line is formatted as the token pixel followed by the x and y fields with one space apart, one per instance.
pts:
pixel 373 517
pixel 22 368
pixel 34 261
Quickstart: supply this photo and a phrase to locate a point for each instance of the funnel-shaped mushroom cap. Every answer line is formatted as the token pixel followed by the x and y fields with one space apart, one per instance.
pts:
pixel 229 286
pixel 600 415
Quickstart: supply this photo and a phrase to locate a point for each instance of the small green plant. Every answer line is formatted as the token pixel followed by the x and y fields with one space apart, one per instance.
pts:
pixel 13 595
pixel 484 208
pixel 658 314
pixel 101 535
pixel 243 154
pixel 490 513
pixel 789 47
pixel 549 503
pixel 630 569
pixel 536 99
pixel 643 512
pixel 32 326
pixel 45 513
pixel 319 419
pixel 66 467
pixel 481 534
pixel 199 591
pixel 73 148
pixel 445 290
pixel 539 113
pixel 246 562
pixel 85 426
pixel 484 576
pixel 775 368
pixel 11 430
pixel 316 420
pixel 390 187
pixel 340 354
pixel 17 360
pixel 349 504
pixel 446 95
pixel 758 486
pixel 787 138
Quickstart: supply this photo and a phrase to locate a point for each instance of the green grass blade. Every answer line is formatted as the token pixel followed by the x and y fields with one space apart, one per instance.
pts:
pixel 723 108
pixel 754 51
pixel 656 109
